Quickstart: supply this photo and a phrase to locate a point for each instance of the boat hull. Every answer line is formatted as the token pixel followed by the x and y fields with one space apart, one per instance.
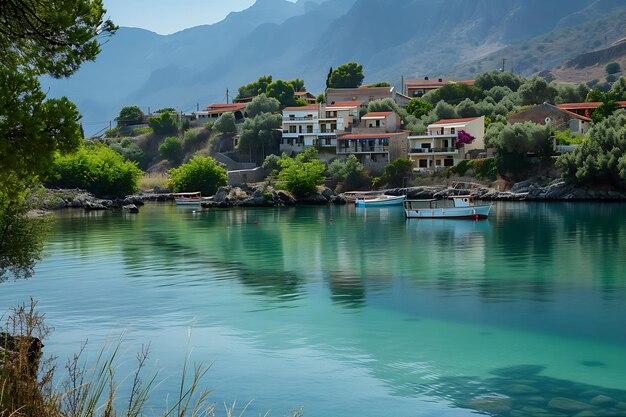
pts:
pixel 470 213
pixel 380 202
pixel 180 202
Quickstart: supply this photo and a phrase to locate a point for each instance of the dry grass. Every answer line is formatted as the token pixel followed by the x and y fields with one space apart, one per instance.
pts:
pixel 151 180
pixel 88 391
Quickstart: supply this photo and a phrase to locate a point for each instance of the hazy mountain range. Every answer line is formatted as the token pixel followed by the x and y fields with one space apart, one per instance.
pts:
pixel 390 38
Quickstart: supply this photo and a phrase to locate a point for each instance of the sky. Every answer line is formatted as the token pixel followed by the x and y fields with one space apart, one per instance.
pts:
pixel 167 16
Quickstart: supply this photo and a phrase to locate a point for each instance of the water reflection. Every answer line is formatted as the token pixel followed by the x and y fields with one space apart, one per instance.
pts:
pixel 424 307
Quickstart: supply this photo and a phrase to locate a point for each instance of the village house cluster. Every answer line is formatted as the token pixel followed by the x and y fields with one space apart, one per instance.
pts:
pixel 342 126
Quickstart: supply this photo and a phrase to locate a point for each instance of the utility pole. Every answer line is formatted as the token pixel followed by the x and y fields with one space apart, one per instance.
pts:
pixel 197 106
pixel 503 61
pixel 402 82
pixel 226 95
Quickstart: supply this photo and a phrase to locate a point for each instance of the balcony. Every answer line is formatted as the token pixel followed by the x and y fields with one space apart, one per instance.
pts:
pixel 435 136
pixel 309 132
pixel 363 149
pixel 299 119
pixel 431 151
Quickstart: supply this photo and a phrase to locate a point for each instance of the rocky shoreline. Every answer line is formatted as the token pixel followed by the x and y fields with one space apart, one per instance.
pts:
pixel 266 196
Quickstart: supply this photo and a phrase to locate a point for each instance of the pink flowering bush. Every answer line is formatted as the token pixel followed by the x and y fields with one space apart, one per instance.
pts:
pixel 463 138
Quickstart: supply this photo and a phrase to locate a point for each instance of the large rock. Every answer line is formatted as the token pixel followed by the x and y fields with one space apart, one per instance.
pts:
pixel 491 404
pixel 14 349
pixel 603 400
pixel 567 404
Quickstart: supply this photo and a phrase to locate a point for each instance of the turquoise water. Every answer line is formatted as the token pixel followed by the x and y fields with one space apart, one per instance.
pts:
pixel 352 312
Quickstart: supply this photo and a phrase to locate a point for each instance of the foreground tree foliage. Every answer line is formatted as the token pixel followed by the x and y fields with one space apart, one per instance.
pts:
pixel 97 169
pixel 51 37
pixel 32 131
pixel 37 38
pixel 202 174
pixel 602 158
pixel 301 175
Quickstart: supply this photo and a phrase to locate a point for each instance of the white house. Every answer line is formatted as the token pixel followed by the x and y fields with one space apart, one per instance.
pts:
pixel 318 126
pixel 438 148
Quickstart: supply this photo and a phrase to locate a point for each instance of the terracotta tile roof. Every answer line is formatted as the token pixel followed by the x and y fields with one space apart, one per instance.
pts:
pixel 578 116
pixel 452 121
pixel 302 93
pixel 467 82
pixel 377 115
pixel 590 105
pixel 345 104
pixel 302 108
pixel 225 107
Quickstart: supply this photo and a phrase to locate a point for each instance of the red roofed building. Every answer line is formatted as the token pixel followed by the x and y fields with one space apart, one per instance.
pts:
pixel 214 111
pixel 306 96
pixel 585 109
pixel 438 148
pixel 379 122
pixel 555 116
pixel 417 88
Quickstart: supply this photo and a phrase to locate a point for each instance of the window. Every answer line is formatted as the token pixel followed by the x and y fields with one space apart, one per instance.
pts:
pixel 423 163
pixel 448 162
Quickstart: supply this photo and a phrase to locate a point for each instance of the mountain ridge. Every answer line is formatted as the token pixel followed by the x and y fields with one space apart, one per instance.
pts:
pixel 390 38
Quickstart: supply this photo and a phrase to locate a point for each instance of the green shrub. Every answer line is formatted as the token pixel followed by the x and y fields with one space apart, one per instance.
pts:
pixel 349 173
pixel 226 123
pixel 99 170
pixel 138 131
pixel 172 149
pixel 301 175
pixel 164 124
pixel 461 168
pixel 112 133
pixel 612 68
pixel 397 171
pixel 202 174
pixel 602 158
pixel 131 151
pixel 485 168
pixel 192 139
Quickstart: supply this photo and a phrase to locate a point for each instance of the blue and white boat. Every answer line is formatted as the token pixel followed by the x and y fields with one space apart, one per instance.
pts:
pixel 380 200
pixel 463 208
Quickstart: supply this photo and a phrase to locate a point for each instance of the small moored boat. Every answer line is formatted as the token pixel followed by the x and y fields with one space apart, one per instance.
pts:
pixel 193 198
pixel 380 200
pixel 463 208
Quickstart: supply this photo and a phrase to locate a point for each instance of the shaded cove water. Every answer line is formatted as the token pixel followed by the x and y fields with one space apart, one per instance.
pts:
pixel 352 312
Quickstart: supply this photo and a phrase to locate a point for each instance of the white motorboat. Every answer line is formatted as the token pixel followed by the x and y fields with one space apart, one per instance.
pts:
pixel 463 208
